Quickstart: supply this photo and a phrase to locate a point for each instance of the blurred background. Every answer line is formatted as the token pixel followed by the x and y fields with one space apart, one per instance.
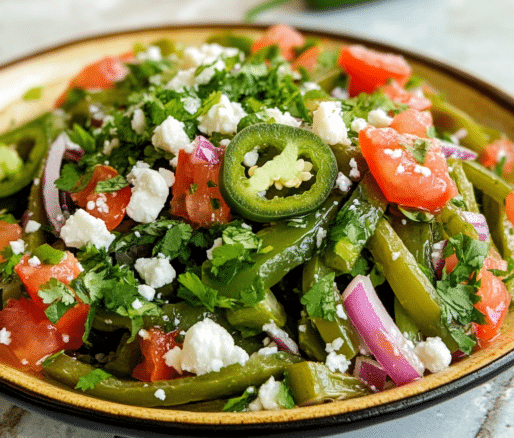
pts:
pixel 474 35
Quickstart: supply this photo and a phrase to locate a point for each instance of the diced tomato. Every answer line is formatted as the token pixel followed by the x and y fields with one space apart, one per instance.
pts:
pixel 108 206
pixel 400 95
pixel 154 346
pixel 495 152
pixel 285 37
pixel 33 336
pixel 402 179
pixel 495 300
pixel 308 59
pixel 72 324
pixel 8 233
pixel 509 207
pixel 196 195
pixel 413 122
pixel 99 75
pixel 33 277
pixel 369 69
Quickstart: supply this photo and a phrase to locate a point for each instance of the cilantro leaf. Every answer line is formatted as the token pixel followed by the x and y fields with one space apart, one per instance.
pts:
pixel 419 149
pixel 198 294
pixel 320 299
pixel 49 255
pixel 284 396
pixel 113 184
pixel 240 404
pixel 253 294
pixel 54 290
pixel 83 138
pixel 174 242
pixel 245 236
pixel 69 177
pixel 90 380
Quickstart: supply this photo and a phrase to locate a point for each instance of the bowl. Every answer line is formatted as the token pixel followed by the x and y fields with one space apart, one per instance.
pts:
pixel 53 68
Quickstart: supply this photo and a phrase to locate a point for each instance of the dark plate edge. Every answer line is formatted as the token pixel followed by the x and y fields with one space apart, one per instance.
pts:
pixel 313 427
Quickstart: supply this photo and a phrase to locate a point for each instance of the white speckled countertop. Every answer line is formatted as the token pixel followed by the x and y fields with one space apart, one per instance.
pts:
pixel 475 35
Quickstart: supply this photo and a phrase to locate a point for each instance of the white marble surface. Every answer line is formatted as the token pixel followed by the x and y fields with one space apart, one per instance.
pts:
pixel 475 35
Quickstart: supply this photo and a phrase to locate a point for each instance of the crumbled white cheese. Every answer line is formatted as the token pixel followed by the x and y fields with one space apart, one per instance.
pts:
pixel 155 271
pixel 250 158
pixel 136 304
pixel 434 354
pixel 343 183
pixel 400 169
pixel 149 194
pixel 354 172
pixel 302 328
pixel 223 117
pixel 206 54
pixel 17 246
pixel 268 394
pixel 393 153
pixel 152 53
pixel 268 351
pixel 191 104
pixel 337 362
pixel 395 255
pixel 172 358
pixel 425 171
pixel 146 291
pixel 143 334
pixel 34 261
pixel 328 124
pixel 171 137
pixel 168 176
pixel 340 312
pixel 183 78
pixel 138 122
pixel 209 347
pixel 217 242
pixel 320 235
pixel 110 145
pixel 308 86
pixel 82 228
pixel 32 226
pixel 282 118
pixel 358 124
pixel 205 76
pixel 378 118
pixel 5 336
pixel 160 394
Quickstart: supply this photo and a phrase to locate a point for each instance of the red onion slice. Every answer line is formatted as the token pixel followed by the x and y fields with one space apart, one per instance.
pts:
pixel 382 336
pixel 73 151
pixel 370 372
pixel 452 150
pixel 205 151
pixel 51 199
pixel 479 223
pixel 281 338
pixel 438 261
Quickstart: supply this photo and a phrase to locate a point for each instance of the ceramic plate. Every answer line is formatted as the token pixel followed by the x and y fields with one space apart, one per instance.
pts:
pixel 53 68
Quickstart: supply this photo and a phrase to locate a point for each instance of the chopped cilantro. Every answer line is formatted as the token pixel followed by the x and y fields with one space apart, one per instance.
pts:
pixel 69 177
pixel 59 297
pixel 284 396
pixel 198 294
pixel 320 299
pixel 240 404
pixel 111 185
pixel 419 149
pixel 48 255
pixel 83 138
pixel 90 380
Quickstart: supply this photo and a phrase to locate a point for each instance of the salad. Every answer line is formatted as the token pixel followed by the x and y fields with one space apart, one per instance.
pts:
pixel 251 225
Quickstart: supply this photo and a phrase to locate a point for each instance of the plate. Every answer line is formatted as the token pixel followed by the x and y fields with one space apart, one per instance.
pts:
pixel 488 106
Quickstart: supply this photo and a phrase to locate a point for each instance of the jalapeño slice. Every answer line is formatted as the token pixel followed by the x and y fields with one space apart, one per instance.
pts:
pixel 275 188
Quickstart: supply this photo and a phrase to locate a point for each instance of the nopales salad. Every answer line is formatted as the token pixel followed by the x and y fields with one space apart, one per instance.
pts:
pixel 251 224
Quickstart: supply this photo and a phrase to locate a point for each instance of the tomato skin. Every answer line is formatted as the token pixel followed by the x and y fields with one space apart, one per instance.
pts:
pixel 33 277
pixel 282 35
pixel 400 178
pixel 308 59
pixel 413 122
pixel 153 347
pixel 399 94
pixel 369 69
pixel 494 153
pixel 101 74
pixel 33 336
pixel 495 300
pixel 72 324
pixel 196 186
pixel 108 206
pixel 8 233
